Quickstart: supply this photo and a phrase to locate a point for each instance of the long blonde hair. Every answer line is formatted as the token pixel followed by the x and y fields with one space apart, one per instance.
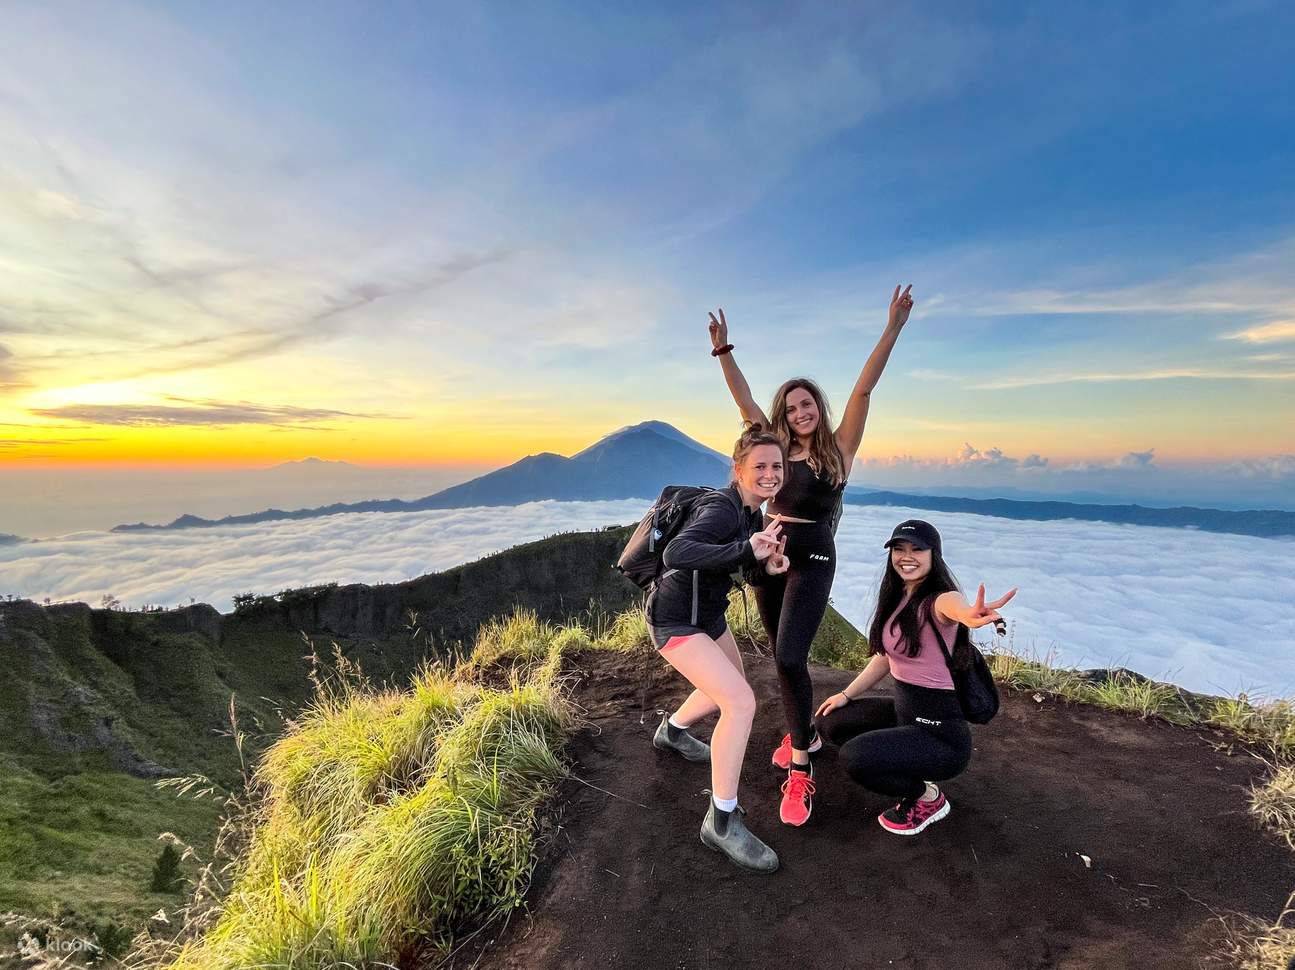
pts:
pixel 824 456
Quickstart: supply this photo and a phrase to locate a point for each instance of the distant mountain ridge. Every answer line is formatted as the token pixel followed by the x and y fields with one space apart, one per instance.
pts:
pixel 1264 523
pixel 639 460
pixel 634 462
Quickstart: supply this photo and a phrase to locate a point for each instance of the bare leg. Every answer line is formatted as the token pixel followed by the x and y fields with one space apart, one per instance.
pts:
pixel 698 705
pixel 711 670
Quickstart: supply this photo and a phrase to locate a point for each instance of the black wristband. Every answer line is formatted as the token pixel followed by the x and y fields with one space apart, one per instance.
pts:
pixel 721 351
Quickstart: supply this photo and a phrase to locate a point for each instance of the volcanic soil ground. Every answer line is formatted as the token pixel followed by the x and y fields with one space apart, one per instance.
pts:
pixel 1160 812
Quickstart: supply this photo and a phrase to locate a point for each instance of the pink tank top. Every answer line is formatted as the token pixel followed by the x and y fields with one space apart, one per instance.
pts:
pixel 928 668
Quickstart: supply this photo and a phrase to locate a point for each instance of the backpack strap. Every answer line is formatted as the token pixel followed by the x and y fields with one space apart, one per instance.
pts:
pixel 735 500
pixel 939 637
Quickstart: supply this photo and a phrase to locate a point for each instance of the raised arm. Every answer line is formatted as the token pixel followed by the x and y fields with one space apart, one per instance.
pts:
pixel 849 434
pixel 737 384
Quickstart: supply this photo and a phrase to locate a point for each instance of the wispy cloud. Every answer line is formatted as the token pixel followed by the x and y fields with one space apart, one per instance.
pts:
pixel 10 377
pixel 23 442
pixel 1257 282
pixel 1266 333
pixel 1099 377
pixel 196 413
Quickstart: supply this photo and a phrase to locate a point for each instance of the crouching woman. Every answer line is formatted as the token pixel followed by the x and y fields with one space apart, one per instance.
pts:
pixel 685 615
pixel 901 745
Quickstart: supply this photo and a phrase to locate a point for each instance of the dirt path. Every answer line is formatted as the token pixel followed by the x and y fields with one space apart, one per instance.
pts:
pixel 625 882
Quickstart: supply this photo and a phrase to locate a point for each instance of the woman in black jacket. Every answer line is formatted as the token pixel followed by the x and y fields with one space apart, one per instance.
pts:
pixel 685 614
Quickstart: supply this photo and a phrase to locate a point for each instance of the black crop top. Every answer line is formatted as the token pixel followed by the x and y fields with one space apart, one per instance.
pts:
pixel 804 495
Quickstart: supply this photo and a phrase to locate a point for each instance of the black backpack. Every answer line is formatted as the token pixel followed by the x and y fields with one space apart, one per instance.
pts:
pixel 640 561
pixel 975 687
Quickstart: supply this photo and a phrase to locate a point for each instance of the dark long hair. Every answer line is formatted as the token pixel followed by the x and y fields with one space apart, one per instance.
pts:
pixel 917 611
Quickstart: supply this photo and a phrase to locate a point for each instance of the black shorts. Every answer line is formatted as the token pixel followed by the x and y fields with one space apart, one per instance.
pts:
pixel 663 633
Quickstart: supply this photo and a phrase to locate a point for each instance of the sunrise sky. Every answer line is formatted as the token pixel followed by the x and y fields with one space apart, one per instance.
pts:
pixel 416 234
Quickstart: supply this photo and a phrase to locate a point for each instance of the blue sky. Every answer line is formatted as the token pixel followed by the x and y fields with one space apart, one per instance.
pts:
pixel 502 226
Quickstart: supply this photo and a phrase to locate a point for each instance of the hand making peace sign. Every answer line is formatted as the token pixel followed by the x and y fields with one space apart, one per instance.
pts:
pixel 778 563
pixel 982 613
pixel 718 330
pixel 765 542
pixel 901 304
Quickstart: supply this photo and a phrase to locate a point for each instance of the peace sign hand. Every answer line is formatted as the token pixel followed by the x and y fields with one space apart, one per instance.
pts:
pixel 982 613
pixel 718 330
pixel 901 304
pixel 778 563
pixel 765 542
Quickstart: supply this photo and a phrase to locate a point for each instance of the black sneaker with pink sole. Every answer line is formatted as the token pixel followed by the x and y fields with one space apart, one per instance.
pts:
pixel 912 815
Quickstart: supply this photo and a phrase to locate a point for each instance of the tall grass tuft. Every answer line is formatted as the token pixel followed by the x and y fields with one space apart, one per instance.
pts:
pixel 1273 802
pixel 628 632
pixel 1272 723
pixel 1121 691
pixel 744 619
pixel 383 820
pixel 519 638
pixel 1255 945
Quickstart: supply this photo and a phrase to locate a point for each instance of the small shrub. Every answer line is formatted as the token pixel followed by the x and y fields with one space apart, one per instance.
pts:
pixel 113 939
pixel 167 877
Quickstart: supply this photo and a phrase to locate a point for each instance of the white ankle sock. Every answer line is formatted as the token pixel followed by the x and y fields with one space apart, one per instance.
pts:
pixel 676 724
pixel 724 804
pixel 931 793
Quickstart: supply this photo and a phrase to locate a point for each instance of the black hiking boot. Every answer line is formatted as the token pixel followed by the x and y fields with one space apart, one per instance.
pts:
pixel 737 841
pixel 683 742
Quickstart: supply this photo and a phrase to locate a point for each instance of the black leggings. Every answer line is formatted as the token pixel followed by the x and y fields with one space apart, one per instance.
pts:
pixel 894 745
pixel 791 608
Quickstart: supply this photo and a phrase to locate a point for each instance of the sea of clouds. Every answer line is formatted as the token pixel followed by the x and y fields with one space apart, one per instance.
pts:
pixel 1214 613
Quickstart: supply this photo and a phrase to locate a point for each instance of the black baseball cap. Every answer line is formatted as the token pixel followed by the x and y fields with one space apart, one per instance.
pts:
pixel 921 534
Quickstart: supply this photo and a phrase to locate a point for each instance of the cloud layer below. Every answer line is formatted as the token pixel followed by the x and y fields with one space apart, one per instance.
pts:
pixel 1214 613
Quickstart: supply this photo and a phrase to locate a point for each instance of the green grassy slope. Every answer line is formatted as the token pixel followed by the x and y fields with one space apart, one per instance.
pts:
pixel 97 704
pixel 82 846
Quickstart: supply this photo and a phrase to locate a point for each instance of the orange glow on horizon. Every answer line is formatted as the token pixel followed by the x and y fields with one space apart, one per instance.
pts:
pixel 461 437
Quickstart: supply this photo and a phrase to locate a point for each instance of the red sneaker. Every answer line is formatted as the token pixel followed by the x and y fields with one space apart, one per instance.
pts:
pixel 912 815
pixel 797 798
pixel 782 754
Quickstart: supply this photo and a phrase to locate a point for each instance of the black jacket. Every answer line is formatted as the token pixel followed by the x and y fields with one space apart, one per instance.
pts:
pixel 700 562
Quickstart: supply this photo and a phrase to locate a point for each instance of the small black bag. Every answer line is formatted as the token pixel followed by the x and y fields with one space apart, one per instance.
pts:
pixel 975 687
pixel 640 561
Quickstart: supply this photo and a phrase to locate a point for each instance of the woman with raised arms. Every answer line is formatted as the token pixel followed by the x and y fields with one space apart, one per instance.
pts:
pixel 900 745
pixel 724 533
pixel 819 461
